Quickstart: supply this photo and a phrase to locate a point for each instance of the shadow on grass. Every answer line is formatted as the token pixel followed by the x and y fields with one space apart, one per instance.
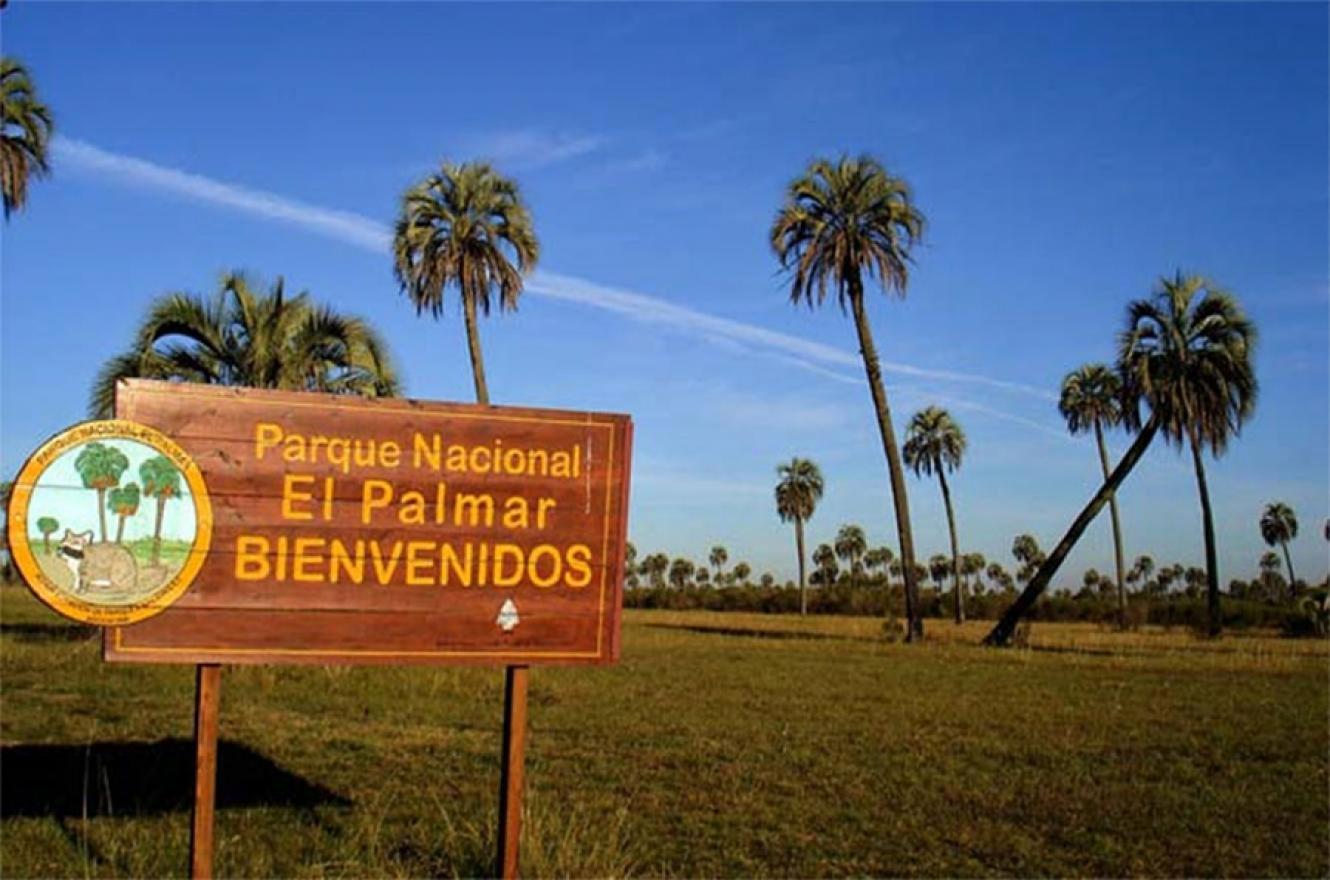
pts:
pixel 135 778
pixel 756 633
pixel 48 632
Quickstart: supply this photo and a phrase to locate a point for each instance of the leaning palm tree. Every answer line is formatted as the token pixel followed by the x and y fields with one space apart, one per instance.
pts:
pixel 934 443
pixel 1186 353
pixel 797 494
pixel 851 544
pixel 842 221
pixel 465 226
pixel 255 338
pixel 25 134
pixel 1092 400
pixel 1279 525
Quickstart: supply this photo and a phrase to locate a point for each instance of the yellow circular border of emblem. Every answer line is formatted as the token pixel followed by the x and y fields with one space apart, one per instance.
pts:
pixel 21 495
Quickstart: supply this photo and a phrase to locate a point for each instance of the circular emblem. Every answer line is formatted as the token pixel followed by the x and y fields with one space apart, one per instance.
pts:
pixel 109 522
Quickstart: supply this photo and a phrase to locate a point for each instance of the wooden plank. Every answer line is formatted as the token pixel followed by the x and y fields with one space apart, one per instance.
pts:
pixel 387 531
pixel 207 697
pixel 513 774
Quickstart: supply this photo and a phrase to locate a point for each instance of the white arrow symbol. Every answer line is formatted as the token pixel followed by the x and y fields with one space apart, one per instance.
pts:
pixel 508 619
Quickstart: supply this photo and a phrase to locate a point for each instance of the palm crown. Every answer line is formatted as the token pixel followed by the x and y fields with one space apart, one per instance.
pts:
pixel 465 225
pixel 933 441
pixel 25 136
pixel 1187 352
pixel 1279 524
pixel 1091 395
pixel 842 219
pixel 851 542
pixel 258 339
pixel 799 489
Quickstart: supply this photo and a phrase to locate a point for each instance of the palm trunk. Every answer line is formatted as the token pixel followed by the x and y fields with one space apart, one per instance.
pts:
pixel 120 530
pixel 1117 531
pixel 157 531
pixel 473 344
pixel 955 551
pixel 799 545
pixel 1292 581
pixel 1001 633
pixel 1208 527
pixel 101 511
pixel 914 623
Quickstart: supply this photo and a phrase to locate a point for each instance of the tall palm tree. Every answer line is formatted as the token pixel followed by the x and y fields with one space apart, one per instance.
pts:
pixel 842 221
pixel 99 467
pixel 465 226
pixel 718 557
pixel 1279 525
pixel 797 495
pixel 851 544
pixel 1186 353
pixel 25 134
pixel 256 338
pixel 1092 400
pixel 934 443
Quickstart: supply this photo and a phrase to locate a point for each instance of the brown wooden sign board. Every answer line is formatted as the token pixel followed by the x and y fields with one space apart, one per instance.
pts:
pixel 361 531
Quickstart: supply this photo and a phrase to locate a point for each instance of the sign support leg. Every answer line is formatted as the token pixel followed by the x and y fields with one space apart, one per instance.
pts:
pixel 207 696
pixel 513 773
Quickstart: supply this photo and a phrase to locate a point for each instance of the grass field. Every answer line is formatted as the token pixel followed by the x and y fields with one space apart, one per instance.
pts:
pixel 722 745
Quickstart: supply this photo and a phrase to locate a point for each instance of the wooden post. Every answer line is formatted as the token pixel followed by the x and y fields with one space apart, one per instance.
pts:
pixel 512 776
pixel 207 696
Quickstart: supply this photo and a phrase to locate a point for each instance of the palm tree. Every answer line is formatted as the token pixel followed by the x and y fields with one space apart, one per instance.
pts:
pixel 680 571
pixel 797 494
pixel 934 443
pixel 25 134
pixel 630 564
pixel 972 566
pixel 877 559
pixel 939 567
pixel 1026 551
pixel 1271 582
pixel 851 544
pixel 741 572
pixel 254 338
pixel 465 226
pixel 1092 400
pixel 161 480
pixel 123 501
pixel 1141 570
pixel 1187 354
pixel 719 556
pixel 654 567
pixel 1279 525
pixel 824 557
pixel 99 467
pixel 841 221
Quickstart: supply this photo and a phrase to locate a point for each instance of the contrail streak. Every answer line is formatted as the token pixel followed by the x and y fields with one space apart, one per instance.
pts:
pixel 371 235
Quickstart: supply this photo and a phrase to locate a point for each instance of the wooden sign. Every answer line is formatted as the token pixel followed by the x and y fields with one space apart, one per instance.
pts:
pixel 346 530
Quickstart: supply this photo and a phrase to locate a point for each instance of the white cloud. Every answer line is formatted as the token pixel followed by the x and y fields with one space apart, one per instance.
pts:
pixel 371 235
pixel 352 228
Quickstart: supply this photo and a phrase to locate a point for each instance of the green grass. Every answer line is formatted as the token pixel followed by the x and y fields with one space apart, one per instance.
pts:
pixel 722 745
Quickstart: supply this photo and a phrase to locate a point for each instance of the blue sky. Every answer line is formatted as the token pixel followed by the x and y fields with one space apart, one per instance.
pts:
pixel 1066 156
